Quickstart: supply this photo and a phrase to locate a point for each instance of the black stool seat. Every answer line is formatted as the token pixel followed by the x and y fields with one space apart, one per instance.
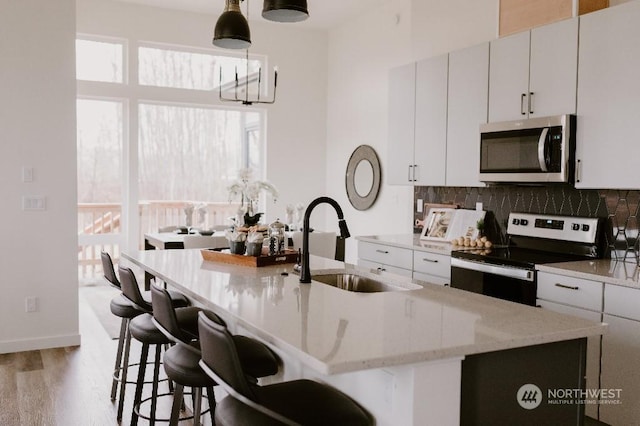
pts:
pixel 181 365
pixel 143 329
pixel 123 308
pixel 303 401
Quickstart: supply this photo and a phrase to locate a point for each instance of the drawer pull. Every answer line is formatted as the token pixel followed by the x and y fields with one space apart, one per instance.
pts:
pixel 430 260
pixel 379 269
pixel 568 287
pixel 382 251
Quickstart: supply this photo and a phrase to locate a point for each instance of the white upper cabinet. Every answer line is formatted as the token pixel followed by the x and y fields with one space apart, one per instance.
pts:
pixel 467 109
pixel 431 121
pixel 608 146
pixel 418 123
pixel 534 73
pixel 402 103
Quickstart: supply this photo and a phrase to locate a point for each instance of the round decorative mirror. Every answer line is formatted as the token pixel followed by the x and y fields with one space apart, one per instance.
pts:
pixel 362 179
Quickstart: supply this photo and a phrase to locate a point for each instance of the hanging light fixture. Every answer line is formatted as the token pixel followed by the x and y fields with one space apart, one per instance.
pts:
pixel 237 85
pixel 285 10
pixel 232 29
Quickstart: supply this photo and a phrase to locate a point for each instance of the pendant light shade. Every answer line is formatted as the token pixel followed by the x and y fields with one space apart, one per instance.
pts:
pixel 232 29
pixel 285 10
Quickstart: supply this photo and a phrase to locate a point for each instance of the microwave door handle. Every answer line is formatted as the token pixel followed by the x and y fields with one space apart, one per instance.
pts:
pixel 541 145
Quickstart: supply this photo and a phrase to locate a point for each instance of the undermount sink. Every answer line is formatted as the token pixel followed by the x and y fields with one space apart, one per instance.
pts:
pixel 361 284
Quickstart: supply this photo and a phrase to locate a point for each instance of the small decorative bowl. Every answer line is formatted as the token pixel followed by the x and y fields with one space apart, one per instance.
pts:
pixel 206 232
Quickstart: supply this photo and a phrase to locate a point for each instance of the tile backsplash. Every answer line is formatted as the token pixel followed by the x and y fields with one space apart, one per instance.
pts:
pixel 619 208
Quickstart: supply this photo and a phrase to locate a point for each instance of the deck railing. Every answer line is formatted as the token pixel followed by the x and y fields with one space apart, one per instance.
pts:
pixel 105 218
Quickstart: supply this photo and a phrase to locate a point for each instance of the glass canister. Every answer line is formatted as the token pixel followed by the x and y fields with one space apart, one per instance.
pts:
pixel 277 237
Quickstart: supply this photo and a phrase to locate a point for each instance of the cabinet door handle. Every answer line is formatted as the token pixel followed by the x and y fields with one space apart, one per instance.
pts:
pixel 416 172
pixel 530 102
pixel 578 170
pixel 568 287
pixel 524 95
pixel 430 260
pixel 382 251
pixel 409 173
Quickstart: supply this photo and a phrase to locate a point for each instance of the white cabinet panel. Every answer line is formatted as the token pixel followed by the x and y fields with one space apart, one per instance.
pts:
pixel 533 73
pixel 467 109
pixel 387 255
pixel 432 264
pixel 509 77
pixel 431 121
pixel 620 367
pixel 622 301
pixel 593 347
pixel 433 279
pixel 608 147
pixel 553 69
pixel 382 268
pixel 402 102
pixel 570 291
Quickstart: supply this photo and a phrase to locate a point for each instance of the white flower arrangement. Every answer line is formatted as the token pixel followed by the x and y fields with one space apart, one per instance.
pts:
pixel 250 190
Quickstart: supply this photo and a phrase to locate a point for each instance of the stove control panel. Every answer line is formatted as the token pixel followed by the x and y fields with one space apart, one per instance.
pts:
pixel 567 228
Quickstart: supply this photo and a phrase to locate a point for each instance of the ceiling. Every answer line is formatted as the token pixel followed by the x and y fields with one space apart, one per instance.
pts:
pixel 323 14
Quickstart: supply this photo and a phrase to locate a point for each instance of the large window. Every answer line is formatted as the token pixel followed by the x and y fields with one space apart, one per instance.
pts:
pixel 165 67
pixel 153 142
pixel 100 60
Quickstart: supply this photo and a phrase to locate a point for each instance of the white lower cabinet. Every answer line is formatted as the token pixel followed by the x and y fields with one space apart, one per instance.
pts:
pixel 431 267
pixel 424 266
pixel 593 347
pixel 621 354
pixel 579 298
pixel 395 260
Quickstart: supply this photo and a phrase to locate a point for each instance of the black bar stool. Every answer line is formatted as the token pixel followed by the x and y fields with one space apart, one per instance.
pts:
pixel 144 330
pixel 123 308
pixel 297 402
pixel 181 362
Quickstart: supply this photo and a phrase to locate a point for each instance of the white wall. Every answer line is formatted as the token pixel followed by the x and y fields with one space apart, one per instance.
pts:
pixel 361 52
pixel 37 129
pixel 296 123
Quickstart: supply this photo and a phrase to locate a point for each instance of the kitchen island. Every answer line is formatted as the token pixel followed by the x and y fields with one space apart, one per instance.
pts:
pixel 401 354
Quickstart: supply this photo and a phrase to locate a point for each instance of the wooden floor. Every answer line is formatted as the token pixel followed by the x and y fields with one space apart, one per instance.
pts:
pixel 68 386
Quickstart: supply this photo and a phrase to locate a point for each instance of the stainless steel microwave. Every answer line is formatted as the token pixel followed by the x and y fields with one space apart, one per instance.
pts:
pixel 535 150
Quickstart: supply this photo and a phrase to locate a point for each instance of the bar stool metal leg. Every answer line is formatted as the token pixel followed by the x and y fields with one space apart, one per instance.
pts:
pixel 124 326
pixel 124 370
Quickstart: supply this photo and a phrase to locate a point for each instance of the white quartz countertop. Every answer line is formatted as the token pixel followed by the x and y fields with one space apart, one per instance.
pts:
pixel 609 271
pixel 409 241
pixel 335 331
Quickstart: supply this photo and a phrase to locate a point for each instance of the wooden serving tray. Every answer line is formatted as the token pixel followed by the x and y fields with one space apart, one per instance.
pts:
pixel 225 256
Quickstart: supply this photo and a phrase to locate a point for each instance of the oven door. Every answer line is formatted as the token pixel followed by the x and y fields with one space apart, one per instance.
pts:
pixel 500 281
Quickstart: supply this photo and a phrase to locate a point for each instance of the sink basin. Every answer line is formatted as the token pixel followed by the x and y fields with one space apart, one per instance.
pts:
pixel 360 283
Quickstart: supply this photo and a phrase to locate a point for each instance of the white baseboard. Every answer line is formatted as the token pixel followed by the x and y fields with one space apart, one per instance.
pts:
pixel 39 343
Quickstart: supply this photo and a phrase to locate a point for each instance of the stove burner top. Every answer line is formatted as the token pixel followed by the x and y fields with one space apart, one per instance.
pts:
pixel 515 256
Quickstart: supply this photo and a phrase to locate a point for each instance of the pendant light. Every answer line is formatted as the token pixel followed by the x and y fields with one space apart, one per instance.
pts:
pixel 232 29
pixel 285 10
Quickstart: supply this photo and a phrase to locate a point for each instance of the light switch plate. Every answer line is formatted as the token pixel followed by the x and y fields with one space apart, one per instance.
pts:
pixel 27 174
pixel 34 202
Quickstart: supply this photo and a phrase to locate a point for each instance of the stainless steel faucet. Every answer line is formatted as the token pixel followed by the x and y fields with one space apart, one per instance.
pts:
pixel 305 273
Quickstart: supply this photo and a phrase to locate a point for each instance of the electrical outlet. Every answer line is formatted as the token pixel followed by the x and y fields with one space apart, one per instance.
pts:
pixel 419 205
pixel 31 304
pixel 479 206
pixel 34 202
